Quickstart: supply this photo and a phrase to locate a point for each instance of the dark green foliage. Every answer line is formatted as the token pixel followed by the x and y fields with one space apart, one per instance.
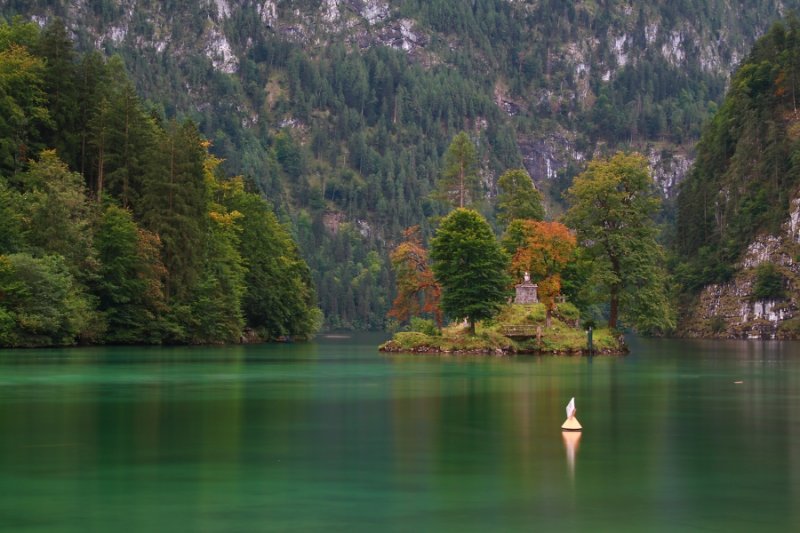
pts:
pixel 747 162
pixel 279 301
pixel 460 172
pixel 216 302
pixel 10 219
pixel 129 290
pixel 342 132
pixel 768 283
pixel 61 85
pixel 58 214
pixel 717 324
pixel 23 110
pixel 132 236
pixel 518 197
pixel 470 266
pixel 174 202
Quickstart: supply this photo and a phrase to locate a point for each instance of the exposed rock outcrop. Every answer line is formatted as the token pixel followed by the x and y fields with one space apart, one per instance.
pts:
pixel 730 310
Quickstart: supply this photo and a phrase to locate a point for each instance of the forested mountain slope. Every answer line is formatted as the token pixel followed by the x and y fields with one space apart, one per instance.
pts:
pixel 116 225
pixel 341 110
pixel 738 211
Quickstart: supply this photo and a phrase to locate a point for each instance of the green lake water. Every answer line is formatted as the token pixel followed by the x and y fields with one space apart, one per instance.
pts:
pixel 334 436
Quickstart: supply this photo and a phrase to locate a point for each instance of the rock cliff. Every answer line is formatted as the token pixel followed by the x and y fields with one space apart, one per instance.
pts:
pixel 732 310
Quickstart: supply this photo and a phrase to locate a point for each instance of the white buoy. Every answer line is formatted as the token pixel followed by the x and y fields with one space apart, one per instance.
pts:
pixel 571 423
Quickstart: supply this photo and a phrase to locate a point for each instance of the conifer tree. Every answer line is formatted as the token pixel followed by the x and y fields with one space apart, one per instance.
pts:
pixel 460 172
pixel 518 198
pixel 470 266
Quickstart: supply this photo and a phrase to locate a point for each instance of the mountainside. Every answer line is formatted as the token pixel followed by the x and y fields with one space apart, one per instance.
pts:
pixel 738 211
pixel 341 110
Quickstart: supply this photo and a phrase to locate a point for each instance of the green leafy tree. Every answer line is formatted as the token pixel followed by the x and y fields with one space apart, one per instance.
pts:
pixel 121 138
pixel 10 219
pixel 612 208
pixel 460 173
pixel 768 283
pixel 23 109
pixel 280 300
pixel 58 214
pixel 41 304
pixel 470 266
pixel 217 299
pixel 518 197
pixel 130 287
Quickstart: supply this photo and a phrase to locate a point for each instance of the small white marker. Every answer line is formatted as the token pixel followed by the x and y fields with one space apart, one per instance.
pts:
pixel 571 424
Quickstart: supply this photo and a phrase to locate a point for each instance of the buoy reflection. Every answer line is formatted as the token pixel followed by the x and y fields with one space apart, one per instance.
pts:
pixel 571 441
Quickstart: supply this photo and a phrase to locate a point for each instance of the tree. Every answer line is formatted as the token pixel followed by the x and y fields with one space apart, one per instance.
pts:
pixel 23 110
pixel 60 76
pixel 613 204
pixel 460 173
pixel 174 205
pixel 216 301
pixel 280 299
pixel 518 197
pixel 10 219
pixel 41 304
pixel 415 280
pixel 58 215
pixel 470 266
pixel 130 289
pixel 545 252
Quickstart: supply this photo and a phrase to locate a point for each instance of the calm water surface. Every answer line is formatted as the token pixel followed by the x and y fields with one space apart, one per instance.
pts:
pixel 335 436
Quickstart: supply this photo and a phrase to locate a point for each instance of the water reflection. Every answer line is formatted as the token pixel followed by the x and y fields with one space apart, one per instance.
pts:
pixel 336 436
pixel 571 441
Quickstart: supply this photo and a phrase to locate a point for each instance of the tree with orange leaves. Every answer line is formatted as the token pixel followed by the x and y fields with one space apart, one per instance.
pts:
pixel 543 249
pixel 417 290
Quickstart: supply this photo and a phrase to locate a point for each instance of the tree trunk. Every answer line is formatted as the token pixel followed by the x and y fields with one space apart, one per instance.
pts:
pixel 548 318
pixel 612 317
pixel 100 173
pixel 471 326
pixel 461 186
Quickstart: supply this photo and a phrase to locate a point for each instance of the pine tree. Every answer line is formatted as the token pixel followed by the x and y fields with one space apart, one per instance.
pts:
pixel 460 172
pixel 518 197
pixel 470 266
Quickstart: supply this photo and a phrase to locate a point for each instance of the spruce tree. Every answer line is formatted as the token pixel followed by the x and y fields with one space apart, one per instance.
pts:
pixel 470 266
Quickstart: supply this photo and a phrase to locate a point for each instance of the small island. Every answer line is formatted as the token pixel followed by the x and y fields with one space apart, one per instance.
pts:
pixel 518 329
pixel 540 286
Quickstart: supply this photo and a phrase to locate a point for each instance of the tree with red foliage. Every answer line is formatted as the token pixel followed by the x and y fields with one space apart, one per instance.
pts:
pixel 417 290
pixel 543 249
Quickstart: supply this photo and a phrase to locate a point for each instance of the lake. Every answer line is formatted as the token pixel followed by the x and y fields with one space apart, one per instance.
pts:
pixel 334 436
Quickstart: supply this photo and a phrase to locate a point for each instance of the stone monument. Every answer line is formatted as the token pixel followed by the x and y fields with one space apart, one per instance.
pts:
pixel 527 292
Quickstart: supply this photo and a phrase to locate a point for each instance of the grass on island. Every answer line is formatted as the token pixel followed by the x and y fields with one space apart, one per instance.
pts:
pixel 564 336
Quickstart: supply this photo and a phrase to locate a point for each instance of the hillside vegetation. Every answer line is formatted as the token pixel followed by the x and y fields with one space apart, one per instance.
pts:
pixel 340 112
pixel 117 225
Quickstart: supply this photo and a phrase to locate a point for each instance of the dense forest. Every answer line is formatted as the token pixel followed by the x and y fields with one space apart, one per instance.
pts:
pixel 117 224
pixel 748 163
pixel 340 113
